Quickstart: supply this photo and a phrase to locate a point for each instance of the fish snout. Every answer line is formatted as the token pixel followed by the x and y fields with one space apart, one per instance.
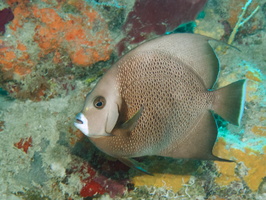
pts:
pixel 82 123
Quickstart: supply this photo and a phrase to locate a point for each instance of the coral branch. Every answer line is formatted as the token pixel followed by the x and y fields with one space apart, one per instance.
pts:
pixel 241 20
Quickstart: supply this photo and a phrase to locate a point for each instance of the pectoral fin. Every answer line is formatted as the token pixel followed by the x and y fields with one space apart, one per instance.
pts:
pixel 134 164
pixel 130 124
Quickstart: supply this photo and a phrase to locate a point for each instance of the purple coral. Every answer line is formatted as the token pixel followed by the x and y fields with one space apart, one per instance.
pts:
pixel 113 187
pixel 6 15
pixel 157 17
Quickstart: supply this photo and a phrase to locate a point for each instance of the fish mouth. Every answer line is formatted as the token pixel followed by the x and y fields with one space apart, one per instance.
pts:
pixel 82 124
pixel 78 121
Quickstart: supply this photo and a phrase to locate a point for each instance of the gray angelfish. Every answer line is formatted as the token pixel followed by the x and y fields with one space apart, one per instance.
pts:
pixel 158 100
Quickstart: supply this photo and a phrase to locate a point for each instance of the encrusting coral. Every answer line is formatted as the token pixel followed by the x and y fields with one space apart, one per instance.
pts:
pixel 41 39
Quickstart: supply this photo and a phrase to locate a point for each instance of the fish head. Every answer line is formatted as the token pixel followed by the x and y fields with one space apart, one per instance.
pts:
pixel 101 109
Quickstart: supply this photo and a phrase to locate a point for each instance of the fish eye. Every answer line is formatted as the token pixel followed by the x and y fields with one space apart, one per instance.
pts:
pixel 99 102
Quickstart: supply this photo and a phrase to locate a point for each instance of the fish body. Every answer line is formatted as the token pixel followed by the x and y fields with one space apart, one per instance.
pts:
pixel 158 100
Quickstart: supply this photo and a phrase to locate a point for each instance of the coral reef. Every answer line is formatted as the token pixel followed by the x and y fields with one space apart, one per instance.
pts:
pixel 250 165
pixel 96 184
pixel 241 20
pixel 204 27
pixel 56 51
pixel 168 173
pixel 156 17
pixel 45 36
pixel 229 18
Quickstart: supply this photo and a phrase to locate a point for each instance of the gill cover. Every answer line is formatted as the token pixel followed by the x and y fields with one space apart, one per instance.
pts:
pixel 111 118
pixel 101 121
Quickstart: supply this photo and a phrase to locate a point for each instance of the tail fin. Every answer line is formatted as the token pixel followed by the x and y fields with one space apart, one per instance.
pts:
pixel 229 101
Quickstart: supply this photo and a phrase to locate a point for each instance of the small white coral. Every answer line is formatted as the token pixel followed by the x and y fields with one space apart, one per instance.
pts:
pixel 58 169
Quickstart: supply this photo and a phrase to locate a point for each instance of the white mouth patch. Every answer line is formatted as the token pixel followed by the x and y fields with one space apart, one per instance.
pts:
pixel 82 124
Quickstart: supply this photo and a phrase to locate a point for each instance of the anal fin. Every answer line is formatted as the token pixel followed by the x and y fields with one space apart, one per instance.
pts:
pixel 199 141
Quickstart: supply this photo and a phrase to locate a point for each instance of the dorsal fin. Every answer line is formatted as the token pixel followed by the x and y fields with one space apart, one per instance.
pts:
pixel 192 49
